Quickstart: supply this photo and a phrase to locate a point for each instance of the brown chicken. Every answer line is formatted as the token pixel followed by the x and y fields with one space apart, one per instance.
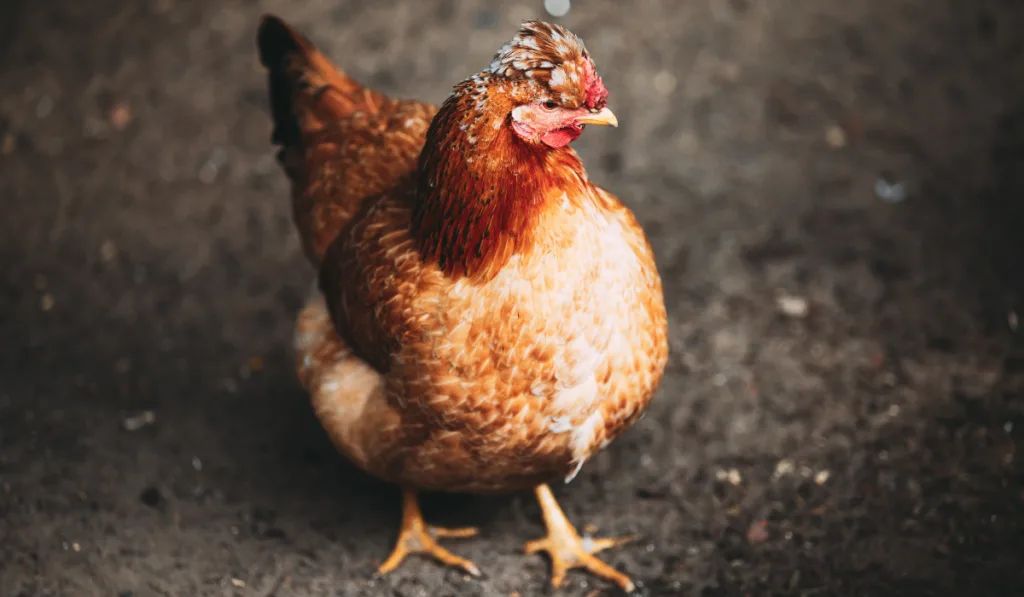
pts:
pixel 486 318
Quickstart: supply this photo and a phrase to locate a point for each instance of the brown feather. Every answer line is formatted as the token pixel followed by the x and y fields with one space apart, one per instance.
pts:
pixel 340 142
pixel 480 190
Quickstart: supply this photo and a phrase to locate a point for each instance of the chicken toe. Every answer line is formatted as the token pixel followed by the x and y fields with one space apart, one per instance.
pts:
pixel 568 550
pixel 416 536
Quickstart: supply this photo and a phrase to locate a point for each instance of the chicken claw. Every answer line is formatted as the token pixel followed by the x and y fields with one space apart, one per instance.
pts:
pixel 416 536
pixel 568 550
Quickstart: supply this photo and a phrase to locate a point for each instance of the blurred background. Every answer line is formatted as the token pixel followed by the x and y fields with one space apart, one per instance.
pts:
pixel 833 192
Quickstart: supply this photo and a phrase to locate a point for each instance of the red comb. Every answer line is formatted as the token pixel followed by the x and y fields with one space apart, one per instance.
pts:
pixel 597 94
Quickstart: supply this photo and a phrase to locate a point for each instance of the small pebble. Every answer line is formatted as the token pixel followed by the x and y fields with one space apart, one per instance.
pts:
pixel 758 532
pixel 732 475
pixel 47 302
pixel 120 116
pixel 557 8
pixel 822 477
pixel 835 137
pixel 238 582
pixel 890 192
pixel 108 250
pixel 7 144
pixel 792 306
pixel 196 463
pixel 134 423
pixel 784 467
pixel 211 167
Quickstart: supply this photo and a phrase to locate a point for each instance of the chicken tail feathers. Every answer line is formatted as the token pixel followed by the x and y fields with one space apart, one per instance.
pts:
pixel 313 105
pixel 307 92
pixel 338 141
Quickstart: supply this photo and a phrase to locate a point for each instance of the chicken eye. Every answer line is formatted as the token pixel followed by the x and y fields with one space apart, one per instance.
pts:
pixel 550 105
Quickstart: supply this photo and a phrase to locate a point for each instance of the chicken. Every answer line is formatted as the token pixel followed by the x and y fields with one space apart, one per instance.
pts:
pixel 485 318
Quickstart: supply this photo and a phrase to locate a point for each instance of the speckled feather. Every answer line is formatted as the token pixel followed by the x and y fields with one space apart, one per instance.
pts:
pixel 491 319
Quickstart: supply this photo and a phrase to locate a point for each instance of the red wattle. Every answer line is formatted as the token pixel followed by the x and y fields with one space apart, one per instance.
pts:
pixel 559 138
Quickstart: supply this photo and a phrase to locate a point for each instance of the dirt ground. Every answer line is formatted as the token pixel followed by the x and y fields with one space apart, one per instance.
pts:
pixel 832 189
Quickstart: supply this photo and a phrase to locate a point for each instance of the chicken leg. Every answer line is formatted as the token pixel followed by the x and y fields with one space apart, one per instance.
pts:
pixel 568 550
pixel 416 536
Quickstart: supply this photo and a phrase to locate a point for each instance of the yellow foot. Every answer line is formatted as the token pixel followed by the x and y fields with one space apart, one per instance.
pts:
pixel 416 536
pixel 567 550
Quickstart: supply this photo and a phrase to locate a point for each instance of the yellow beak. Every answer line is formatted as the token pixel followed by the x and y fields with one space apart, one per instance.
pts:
pixel 604 117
